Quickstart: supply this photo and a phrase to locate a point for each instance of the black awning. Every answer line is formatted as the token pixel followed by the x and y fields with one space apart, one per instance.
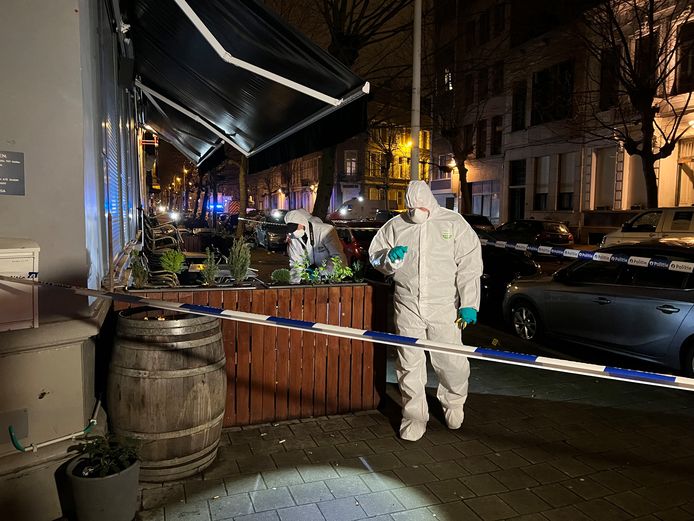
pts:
pixel 270 122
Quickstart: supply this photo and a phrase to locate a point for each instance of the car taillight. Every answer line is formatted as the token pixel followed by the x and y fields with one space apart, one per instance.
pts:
pixel 571 236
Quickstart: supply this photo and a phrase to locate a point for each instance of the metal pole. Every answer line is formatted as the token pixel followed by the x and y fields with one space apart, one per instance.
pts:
pixel 416 82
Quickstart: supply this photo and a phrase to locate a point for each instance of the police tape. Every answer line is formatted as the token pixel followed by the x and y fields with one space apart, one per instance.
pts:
pixel 482 353
pixel 658 262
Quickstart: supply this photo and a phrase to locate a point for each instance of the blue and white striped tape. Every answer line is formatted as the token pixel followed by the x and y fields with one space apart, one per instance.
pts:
pixel 569 253
pixel 484 353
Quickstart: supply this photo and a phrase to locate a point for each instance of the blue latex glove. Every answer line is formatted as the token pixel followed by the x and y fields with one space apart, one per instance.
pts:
pixel 397 253
pixel 467 316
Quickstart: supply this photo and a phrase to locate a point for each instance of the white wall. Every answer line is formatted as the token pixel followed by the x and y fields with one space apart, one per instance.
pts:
pixel 42 116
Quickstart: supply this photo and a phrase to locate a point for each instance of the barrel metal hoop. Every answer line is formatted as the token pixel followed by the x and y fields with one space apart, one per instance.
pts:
pixel 141 343
pixel 180 373
pixel 159 328
pixel 170 434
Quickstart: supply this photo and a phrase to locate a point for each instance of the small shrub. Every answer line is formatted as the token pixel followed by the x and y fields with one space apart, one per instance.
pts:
pixel 210 270
pixel 239 260
pixel 138 269
pixel 281 276
pixel 339 272
pixel 104 455
pixel 172 260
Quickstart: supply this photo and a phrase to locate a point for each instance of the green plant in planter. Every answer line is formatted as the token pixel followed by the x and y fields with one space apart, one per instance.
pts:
pixel 239 260
pixel 138 269
pixel 102 456
pixel 281 276
pixel 210 270
pixel 358 271
pixel 339 272
pixel 172 260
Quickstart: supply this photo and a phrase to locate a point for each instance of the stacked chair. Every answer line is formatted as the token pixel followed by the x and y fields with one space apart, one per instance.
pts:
pixel 158 238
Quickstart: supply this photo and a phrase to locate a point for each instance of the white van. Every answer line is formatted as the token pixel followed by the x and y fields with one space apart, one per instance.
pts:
pixel 654 224
pixel 357 209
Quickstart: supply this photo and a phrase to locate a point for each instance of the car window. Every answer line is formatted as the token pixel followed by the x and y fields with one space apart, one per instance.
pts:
pixel 364 236
pixel 681 220
pixel 647 222
pixel 555 228
pixel 507 227
pixel 652 277
pixel 595 273
pixel 343 233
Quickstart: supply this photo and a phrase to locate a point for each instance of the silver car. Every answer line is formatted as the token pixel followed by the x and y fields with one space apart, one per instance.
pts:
pixel 639 312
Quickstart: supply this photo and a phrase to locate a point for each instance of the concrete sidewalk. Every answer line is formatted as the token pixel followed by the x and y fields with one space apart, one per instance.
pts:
pixel 535 445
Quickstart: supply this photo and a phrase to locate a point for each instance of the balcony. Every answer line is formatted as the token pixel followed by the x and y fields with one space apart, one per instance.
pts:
pixel 441 184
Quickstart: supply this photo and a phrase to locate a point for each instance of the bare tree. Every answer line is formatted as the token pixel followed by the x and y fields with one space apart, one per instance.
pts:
pixel 639 96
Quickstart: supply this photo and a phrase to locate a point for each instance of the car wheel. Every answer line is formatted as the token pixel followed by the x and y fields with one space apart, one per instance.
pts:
pixel 525 321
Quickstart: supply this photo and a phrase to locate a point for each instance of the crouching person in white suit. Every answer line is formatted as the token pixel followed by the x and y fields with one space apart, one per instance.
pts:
pixel 435 259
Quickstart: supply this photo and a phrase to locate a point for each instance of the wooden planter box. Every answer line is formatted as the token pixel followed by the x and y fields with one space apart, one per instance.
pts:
pixel 276 374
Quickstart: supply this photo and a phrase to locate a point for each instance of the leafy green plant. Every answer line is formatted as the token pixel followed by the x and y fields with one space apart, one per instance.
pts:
pixel 339 271
pixel 138 269
pixel 172 260
pixel 210 270
pixel 358 269
pixel 104 455
pixel 239 260
pixel 281 276
pixel 302 267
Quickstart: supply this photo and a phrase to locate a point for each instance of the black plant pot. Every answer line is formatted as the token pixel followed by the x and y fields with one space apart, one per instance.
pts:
pixel 111 498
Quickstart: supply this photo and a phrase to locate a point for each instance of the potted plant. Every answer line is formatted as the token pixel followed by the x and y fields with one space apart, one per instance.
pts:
pixel 281 277
pixel 239 261
pixel 138 269
pixel 210 269
pixel 172 261
pixel 104 479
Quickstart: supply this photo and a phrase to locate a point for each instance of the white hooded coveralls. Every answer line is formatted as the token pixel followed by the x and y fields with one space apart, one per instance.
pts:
pixel 440 272
pixel 320 242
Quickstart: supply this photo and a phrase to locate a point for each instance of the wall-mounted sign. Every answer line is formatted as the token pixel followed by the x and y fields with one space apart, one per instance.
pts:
pixel 11 173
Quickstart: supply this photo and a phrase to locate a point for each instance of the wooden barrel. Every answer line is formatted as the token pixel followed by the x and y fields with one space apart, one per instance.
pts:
pixel 166 390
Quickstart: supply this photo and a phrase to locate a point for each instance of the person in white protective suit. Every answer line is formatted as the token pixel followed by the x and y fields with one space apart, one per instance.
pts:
pixel 435 259
pixel 309 236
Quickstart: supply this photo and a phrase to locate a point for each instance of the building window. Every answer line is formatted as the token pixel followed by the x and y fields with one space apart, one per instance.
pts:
pixel 552 93
pixel 402 167
pixel 443 173
pixel 470 35
pixel 469 90
pixel 485 22
pixel 684 81
pixel 374 164
pixel 609 62
pixel 447 79
pixel 483 83
pixel 497 135
pixel 350 162
pixel 517 168
pixel 565 186
pixel 646 56
pixel 497 78
pixel 467 139
pixel 605 165
pixel 481 148
pixel 375 194
pixel 499 19
pixel 485 199
pixel 541 183
pixel 520 95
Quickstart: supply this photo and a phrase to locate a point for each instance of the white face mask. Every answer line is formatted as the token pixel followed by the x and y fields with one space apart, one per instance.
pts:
pixel 418 216
pixel 299 233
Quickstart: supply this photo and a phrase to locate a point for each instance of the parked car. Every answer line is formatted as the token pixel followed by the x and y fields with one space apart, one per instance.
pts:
pixel 640 312
pixel 357 209
pixel 386 215
pixel 535 231
pixel 271 232
pixel 479 222
pixel 356 238
pixel 501 267
pixel 654 224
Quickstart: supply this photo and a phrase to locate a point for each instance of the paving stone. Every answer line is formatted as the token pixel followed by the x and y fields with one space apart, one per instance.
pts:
pixel 351 467
pixel 454 511
pixel 414 457
pixel 534 454
pixel 244 483
pixel 477 464
pixel 444 437
pixel 587 488
pixel 204 490
pixel 345 509
pixel 317 472
pixel 228 507
pixel 159 497
pixel 358 434
pixel 514 479
pixel 633 503
pixel 414 475
pixel 231 452
pixel 415 497
pixel 361 421
pixel 446 470
pixel 386 461
pixel 301 513
pixel 272 499
pixel 270 515
pixel 282 477
pixel 380 445
pixel 336 424
pixel 524 501
pixel 483 484
pixel 328 439
pixel 450 490
pixel 557 495
pixel 490 508
pixel 306 429
pixel 256 464
pixel 571 467
pixel 614 481
pixel 419 514
pixel 349 486
pixel 323 454
pixel 443 452
pixel 529 517
pixel 570 513
pixel 507 460
pixel 544 473
pixel 156 514
pixel 377 503
pixel 313 492
pixel 667 495
pixel 292 458
pixel 299 442
pixel 221 469
pixel 197 511
pixel 673 514
pixel 354 449
pixel 378 481
pixel 384 430
pixel 599 510
pixel 264 447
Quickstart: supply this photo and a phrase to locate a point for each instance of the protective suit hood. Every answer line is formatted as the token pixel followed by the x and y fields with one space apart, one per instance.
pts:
pixel 299 216
pixel 419 196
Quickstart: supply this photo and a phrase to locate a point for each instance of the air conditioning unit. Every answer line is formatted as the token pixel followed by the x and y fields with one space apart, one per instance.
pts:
pixel 18 302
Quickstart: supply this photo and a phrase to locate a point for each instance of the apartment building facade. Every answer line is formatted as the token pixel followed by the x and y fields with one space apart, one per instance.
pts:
pixel 524 77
